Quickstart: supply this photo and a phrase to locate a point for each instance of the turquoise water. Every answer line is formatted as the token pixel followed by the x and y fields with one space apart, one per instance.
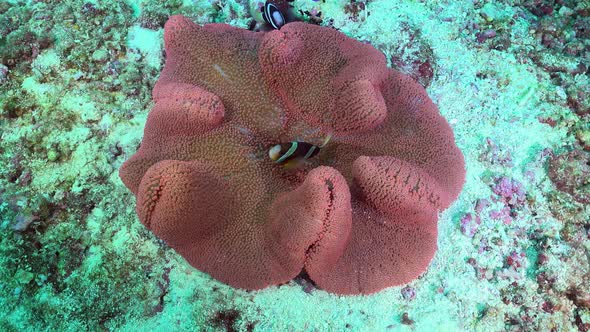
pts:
pixel 510 80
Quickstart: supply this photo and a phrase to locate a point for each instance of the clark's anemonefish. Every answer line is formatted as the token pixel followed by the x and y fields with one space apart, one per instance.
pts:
pixel 293 153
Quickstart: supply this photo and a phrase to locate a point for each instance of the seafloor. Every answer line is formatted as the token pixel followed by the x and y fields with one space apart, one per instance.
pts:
pixel 510 76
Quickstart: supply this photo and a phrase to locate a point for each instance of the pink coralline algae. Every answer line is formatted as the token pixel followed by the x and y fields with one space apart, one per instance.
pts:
pixel 512 194
pixel 571 174
pixel 515 259
pixel 510 191
pixel 503 215
pixel 470 224
pixel 495 154
pixel 358 217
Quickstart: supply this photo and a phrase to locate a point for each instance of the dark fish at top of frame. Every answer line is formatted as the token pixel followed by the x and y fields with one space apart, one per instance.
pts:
pixel 277 13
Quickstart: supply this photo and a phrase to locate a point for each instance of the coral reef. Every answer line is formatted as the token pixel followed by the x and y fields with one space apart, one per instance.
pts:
pixel 511 77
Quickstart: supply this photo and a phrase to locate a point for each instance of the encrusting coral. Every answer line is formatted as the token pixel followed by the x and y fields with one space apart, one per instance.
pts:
pixel 359 217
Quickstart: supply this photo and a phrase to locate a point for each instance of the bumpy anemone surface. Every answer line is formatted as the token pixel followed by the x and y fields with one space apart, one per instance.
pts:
pixel 358 217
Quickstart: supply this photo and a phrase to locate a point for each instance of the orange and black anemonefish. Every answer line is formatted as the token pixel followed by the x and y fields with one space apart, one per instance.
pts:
pixel 294 153
pixel 277 13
